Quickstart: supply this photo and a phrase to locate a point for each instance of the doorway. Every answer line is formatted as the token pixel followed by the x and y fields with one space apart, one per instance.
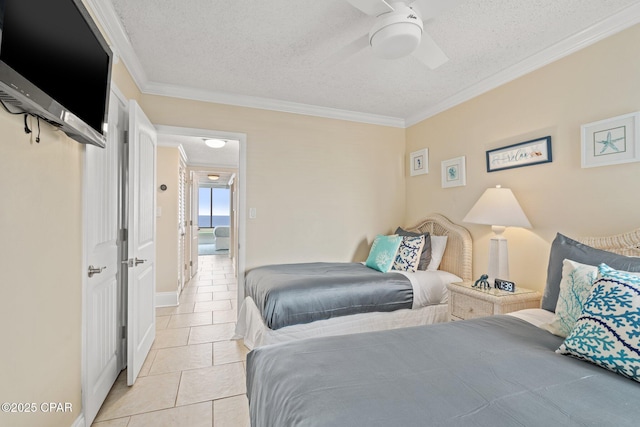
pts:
pixel 214 215
pixel 227 165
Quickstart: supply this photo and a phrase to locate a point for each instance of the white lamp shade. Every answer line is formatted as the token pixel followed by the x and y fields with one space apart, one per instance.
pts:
pixel 498 206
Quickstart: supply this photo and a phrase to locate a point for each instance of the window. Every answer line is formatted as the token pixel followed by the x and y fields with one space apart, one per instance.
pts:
pixel 213 209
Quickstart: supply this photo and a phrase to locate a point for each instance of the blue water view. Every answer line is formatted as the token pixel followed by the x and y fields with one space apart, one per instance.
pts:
pixel 213 220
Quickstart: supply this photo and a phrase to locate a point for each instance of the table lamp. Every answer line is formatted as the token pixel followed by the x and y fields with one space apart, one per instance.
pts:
pixel 498 208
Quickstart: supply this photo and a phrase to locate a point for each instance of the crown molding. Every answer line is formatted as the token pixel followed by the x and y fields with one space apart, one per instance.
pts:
pixel 153 88
pixel 108 19
pixel 603 29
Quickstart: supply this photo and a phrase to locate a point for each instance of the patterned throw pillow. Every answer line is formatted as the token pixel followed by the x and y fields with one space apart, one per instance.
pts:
pixel 575 287
pixel 408 256
pixel 607 332
pixel 425 256
pixel 383 252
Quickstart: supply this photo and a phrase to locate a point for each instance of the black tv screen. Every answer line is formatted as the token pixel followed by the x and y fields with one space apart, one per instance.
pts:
pixel 55 47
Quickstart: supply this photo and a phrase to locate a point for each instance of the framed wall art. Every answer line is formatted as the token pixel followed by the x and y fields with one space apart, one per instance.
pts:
pixel 453 172
pixel 528 153
pixel 611 141
pixel 419 162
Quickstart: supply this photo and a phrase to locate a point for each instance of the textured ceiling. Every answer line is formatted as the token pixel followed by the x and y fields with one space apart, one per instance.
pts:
pixel 279 50
pixel 279 54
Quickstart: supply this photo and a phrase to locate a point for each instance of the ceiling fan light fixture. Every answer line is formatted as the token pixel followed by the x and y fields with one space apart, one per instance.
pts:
pixel 213 177
pixel 396 34
pixel 215 143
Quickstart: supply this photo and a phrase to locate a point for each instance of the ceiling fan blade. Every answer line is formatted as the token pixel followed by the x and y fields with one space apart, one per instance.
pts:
pixel 349 50
pixel 370 7
pixel 429 53
pixel 432 8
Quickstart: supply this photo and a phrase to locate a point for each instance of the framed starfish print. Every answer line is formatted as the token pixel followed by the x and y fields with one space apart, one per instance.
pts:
pixel 611 141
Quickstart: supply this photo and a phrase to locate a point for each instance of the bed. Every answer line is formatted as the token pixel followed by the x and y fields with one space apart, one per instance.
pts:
pixel 427 289
pixel 500 370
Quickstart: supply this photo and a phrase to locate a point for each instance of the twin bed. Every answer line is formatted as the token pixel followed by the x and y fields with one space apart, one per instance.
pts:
pixel 296 301
pixel 499 370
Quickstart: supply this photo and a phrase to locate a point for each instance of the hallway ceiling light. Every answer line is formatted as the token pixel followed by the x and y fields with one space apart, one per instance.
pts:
pixel 213 177
pixel 215 143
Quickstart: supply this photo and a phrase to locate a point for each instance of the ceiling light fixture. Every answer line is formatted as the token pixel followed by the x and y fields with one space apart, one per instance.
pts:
pixel 397 33
pixel 213 177
pixel 215 143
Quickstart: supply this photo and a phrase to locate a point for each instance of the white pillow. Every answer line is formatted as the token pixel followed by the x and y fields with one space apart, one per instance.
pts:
pixel 438 245
pixel 575 287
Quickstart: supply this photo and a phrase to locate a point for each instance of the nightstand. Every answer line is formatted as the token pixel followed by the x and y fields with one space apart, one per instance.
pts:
pixel 467 302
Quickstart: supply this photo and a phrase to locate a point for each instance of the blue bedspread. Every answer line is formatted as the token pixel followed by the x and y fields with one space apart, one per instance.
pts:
pixel 488 372
pixel 289 294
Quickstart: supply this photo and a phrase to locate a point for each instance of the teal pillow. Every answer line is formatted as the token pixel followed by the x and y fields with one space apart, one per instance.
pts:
pixel 383 252
pixel 606 333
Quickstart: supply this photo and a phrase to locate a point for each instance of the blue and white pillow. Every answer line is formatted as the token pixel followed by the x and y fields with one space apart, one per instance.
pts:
pixel 607 332
pixel 575 288
pixel 383 252
pixel 408 256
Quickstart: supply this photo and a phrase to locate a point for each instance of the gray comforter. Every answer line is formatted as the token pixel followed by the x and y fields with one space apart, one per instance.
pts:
pixel 494 371
pixel 289 294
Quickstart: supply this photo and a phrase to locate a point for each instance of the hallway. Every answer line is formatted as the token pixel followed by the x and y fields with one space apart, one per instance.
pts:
pixel 194 374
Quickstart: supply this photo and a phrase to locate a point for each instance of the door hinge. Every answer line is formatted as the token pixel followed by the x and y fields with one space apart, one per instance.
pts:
pixel 126 136
pixel 124 332
pixel 124 234
pixel 190 263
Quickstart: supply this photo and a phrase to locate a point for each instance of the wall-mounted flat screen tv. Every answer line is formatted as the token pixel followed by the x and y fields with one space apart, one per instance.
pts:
pixel 55 64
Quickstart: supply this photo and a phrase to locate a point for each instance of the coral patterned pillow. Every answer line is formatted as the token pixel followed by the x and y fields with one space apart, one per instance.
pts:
pixel 408 256
pixel 383 252
pixel 575 288
pixel 607 332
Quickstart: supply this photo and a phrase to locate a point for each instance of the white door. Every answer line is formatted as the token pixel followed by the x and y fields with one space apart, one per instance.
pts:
pixel 141 287
pixel 102 329
pixel 194 222
pixel 182 229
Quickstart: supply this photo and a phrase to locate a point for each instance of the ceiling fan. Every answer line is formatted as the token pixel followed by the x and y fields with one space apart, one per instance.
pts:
pixel 399 30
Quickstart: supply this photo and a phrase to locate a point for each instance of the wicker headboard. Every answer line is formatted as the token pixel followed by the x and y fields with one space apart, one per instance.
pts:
pixel 624 244
pixel 457 257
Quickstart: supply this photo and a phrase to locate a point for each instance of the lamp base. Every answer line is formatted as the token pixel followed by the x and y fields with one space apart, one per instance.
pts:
pixel 498 258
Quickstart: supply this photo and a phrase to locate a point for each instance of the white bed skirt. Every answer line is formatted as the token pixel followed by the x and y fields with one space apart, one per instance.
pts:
pixel 255 332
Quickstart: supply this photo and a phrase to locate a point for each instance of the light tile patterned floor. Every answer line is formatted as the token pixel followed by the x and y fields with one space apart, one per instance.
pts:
pixel 194 374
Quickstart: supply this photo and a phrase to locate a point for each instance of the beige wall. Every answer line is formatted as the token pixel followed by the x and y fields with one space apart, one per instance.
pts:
pixel 322 188
pixel 168 167
pixel 40 261
pixel 596 83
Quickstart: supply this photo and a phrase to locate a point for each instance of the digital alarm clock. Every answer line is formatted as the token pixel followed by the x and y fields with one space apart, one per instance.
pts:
pixel 505 285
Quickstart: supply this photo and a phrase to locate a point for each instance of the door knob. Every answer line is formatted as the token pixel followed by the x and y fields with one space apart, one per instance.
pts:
pixel 131 262
pixel 95 270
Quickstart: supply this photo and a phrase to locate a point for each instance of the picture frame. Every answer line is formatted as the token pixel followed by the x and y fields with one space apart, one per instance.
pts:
pixel 611 141
pixel 453 172
pixel 419 162
pixel 528 153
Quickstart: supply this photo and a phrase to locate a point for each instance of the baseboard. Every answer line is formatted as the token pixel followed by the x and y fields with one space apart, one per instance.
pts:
pixel 166 299
pixel 79 422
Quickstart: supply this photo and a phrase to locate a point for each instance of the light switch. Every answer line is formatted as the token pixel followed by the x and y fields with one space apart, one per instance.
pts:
pixel 158 212
pixel 252 213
